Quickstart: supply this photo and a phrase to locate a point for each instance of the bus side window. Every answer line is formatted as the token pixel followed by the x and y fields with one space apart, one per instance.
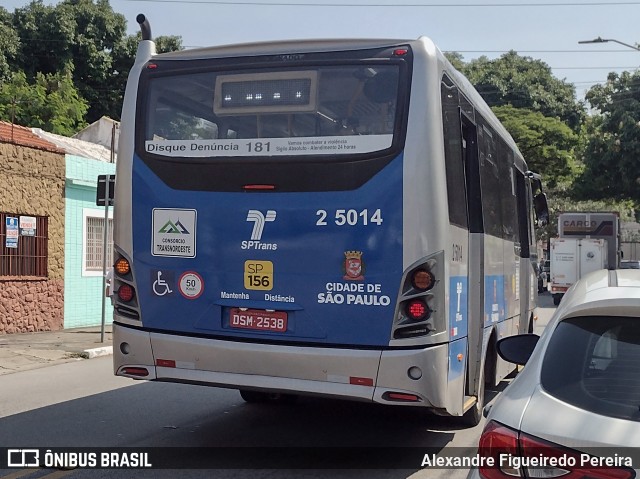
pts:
pixel 508 193
pixel 454 151
pixel 490 183
pixel 523 214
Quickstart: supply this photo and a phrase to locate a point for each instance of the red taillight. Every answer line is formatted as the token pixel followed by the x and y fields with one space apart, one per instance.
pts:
pixel 400 52
pixel 125 293
pixel 495 441
pixel 402 397
pixel 417 309
pixel 505 454
pixel 259 187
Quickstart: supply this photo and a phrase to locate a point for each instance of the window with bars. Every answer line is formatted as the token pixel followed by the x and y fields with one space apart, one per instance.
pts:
pixel 94 243
pixel 23 251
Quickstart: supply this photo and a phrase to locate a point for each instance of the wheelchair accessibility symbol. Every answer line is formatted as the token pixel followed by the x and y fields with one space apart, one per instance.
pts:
pixel 160 285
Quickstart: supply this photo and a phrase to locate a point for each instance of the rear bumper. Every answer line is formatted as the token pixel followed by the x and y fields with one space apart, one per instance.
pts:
pixel 366 375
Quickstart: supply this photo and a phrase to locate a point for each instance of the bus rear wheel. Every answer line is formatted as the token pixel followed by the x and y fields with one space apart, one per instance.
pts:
pixel 262 397
pixel 253 396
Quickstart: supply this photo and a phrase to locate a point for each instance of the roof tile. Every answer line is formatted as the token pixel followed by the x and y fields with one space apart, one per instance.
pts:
pixel 19 135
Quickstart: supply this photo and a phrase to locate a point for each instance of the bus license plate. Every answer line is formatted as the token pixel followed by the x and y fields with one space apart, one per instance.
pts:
pixel 257 320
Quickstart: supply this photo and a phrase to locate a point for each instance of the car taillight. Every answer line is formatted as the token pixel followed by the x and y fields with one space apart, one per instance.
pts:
pixel 516 454
pixel 495 442
pixel 125 293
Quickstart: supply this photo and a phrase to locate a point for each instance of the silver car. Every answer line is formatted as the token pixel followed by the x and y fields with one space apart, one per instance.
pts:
pixel 574 410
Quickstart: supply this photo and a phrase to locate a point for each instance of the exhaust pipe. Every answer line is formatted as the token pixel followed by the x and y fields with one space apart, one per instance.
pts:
pixel 145 28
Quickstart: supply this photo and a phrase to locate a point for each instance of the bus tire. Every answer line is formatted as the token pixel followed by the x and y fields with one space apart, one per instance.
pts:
pixel 253 396
pixel 260 397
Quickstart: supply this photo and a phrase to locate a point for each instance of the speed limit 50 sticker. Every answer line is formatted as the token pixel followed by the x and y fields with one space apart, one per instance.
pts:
pixel 191 285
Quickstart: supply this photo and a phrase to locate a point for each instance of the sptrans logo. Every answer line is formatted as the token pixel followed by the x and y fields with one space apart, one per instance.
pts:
pixel 258 219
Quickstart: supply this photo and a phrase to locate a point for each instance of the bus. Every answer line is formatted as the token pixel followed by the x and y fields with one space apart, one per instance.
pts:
pixel 335 218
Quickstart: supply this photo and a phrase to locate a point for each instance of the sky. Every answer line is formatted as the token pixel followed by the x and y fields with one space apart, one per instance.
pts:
pixel 541 29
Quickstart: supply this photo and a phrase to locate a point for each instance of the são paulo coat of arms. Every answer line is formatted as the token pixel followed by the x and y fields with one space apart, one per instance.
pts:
pixel 353 266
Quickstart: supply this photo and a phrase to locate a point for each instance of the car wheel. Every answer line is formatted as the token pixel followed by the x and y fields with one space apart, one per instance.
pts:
pixel 556 299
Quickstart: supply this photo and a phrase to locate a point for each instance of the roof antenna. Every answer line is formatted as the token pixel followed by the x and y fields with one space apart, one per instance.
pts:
pixel 145 28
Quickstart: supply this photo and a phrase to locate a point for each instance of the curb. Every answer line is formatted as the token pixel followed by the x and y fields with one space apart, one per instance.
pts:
pixel 97 352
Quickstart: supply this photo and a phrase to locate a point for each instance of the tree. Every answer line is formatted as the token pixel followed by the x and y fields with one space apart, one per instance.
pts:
pixel 8 45
pixel 123 57
pixel 613 140
pixel 547 144
pixel 51 102
pixel 83 38
pixel 45 40
pixel 75 37
pixel 456 60
pixel 525 83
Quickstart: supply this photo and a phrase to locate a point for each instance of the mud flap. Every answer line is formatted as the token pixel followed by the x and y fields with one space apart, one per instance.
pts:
pixel 456 376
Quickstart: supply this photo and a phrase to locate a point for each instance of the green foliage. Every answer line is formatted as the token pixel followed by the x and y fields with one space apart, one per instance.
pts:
pixel 551 130
pixel 85 38
pixel 612 149
pixel 8 45
pixel 50 102
pixel 547 144
pixel 123 56
pixel 525 83
pixel 456 60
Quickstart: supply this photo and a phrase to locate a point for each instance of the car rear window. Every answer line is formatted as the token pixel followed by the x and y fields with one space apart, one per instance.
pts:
pixel 594 363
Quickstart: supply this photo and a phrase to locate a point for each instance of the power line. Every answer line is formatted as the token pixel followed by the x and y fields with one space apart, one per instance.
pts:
pixel 596 68
pixel 582 50
pixel 415 5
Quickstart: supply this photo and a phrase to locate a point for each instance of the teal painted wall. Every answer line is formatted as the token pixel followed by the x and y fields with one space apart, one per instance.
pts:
pixel 82 290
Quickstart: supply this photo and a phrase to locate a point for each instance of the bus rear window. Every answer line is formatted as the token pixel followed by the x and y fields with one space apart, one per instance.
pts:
pixel 311 111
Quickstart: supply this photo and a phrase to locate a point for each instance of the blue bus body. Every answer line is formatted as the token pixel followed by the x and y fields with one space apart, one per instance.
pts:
pixel 308 277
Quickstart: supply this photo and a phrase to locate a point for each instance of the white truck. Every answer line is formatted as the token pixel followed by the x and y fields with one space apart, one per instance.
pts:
pixel 593 225
pixel 571 259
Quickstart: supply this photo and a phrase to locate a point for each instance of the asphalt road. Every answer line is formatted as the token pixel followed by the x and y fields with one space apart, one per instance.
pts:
pixel 81 404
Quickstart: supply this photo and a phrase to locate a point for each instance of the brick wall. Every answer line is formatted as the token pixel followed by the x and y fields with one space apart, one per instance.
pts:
pixel 32 183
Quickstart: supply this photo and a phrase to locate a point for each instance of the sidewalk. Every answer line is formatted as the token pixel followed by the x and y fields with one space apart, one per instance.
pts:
pixel 24 351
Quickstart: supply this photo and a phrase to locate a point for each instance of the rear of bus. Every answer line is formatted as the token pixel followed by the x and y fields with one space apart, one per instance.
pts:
pixel 260 225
